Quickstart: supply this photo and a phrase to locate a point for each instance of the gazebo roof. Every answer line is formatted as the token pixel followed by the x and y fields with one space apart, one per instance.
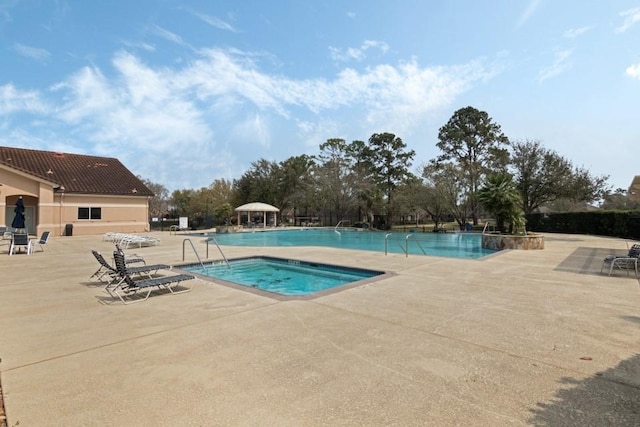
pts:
pixel 256 207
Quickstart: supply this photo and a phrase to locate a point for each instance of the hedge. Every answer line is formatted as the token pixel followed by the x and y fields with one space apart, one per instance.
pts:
pixel 625 224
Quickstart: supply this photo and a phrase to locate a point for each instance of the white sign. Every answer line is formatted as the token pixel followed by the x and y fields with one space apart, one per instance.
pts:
pixel 184 223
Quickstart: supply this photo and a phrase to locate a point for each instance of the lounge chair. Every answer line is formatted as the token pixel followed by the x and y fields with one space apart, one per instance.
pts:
pixel 44 239
pixel 5 236
pixel 625 262
pixel 107 269
pixel 130 259
pixel 18 241
pixel 128 287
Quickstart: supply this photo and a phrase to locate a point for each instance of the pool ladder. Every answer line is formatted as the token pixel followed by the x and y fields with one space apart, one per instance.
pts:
pixel 406 244
pixel 207 253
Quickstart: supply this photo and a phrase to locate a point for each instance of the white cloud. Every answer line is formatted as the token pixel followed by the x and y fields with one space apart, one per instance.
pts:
pixel 310 133
pixel 253 130
pixel 32 52
pixel 86 93
pixel 13 100
pixel 139 109
pixel 560 64
pixel 631 17
pixel 140 45
pixel 405 92
pixel 633 71
pixel 5 11
pixel 168 35
pixel 576 32
pixel 215 22
pixel 213 111
pixel 528 12
pixel 357 53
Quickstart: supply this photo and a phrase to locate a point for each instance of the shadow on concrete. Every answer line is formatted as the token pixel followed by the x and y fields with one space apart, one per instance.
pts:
pixel 609 398
pixel 634 319
pixel 96 284
pixel 585 260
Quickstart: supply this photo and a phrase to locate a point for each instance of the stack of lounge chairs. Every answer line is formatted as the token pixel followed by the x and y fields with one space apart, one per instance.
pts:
pixel 125 282
pixel 125 240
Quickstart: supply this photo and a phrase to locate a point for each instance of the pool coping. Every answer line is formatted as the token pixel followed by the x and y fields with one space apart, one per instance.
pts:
pixel 280 297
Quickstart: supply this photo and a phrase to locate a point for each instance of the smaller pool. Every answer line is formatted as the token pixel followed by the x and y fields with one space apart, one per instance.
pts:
pixel 283 276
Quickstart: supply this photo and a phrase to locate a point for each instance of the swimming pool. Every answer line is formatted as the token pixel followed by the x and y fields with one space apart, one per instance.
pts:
pixel 283 276
pixel 455 245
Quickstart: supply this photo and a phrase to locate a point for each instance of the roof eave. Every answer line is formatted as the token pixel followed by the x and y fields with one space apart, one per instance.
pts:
pixel 29 175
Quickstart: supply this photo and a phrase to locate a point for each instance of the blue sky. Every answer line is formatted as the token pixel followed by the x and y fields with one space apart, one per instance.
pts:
pixel 184 92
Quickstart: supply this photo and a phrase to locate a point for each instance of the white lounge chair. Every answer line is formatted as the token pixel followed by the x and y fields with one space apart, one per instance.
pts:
pixel 44 239
pixel 20 240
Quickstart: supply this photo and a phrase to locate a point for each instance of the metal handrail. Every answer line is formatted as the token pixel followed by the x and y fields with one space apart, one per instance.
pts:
pixel 486 225
pixel 194 251
pixel 406 243
pixel 386 236
pixel 219 249
pixel 337 225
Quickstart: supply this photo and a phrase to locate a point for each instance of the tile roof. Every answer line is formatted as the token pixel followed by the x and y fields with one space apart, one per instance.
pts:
pixel 77 173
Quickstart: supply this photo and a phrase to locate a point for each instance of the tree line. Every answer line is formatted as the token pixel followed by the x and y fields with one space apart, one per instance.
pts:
pixel 477 171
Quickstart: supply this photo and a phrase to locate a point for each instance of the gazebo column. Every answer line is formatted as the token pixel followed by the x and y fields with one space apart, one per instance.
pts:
pixel 256 207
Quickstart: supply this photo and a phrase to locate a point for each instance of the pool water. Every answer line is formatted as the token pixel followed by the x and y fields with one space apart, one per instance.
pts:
pixel 283 276
pixel 456 245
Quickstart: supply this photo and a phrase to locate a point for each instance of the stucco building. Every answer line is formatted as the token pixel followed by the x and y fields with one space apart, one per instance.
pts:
pixel 634 189
pixel 71 193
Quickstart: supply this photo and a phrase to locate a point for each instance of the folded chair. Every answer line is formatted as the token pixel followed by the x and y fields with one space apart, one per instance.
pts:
pixel 128 287
pixel 20 240
pixel 44 238
pixel 626 262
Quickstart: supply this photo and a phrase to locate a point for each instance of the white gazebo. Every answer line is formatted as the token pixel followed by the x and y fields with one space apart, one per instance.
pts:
pixel 259 207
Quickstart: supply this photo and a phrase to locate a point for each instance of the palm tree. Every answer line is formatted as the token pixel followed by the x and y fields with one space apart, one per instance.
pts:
pixel 501 198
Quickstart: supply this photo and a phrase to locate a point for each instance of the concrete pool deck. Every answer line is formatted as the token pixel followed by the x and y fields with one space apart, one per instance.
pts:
pixel 517 338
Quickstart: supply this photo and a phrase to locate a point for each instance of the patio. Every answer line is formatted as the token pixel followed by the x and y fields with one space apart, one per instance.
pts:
pixel 518 338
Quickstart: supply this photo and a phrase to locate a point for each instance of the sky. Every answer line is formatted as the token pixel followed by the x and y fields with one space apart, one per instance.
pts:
pixel 187 92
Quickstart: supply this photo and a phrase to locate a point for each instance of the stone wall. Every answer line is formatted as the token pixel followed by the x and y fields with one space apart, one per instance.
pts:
pixel 498 241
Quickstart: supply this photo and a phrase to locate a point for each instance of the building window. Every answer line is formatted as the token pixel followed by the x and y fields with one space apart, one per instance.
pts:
pixel 89 213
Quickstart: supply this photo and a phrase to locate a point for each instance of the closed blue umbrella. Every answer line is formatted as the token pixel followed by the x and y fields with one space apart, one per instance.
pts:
pixel 18 219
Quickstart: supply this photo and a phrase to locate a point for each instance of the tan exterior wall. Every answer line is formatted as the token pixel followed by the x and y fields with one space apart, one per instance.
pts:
pixel 124 214
pixel 634 189
pixel 47 210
